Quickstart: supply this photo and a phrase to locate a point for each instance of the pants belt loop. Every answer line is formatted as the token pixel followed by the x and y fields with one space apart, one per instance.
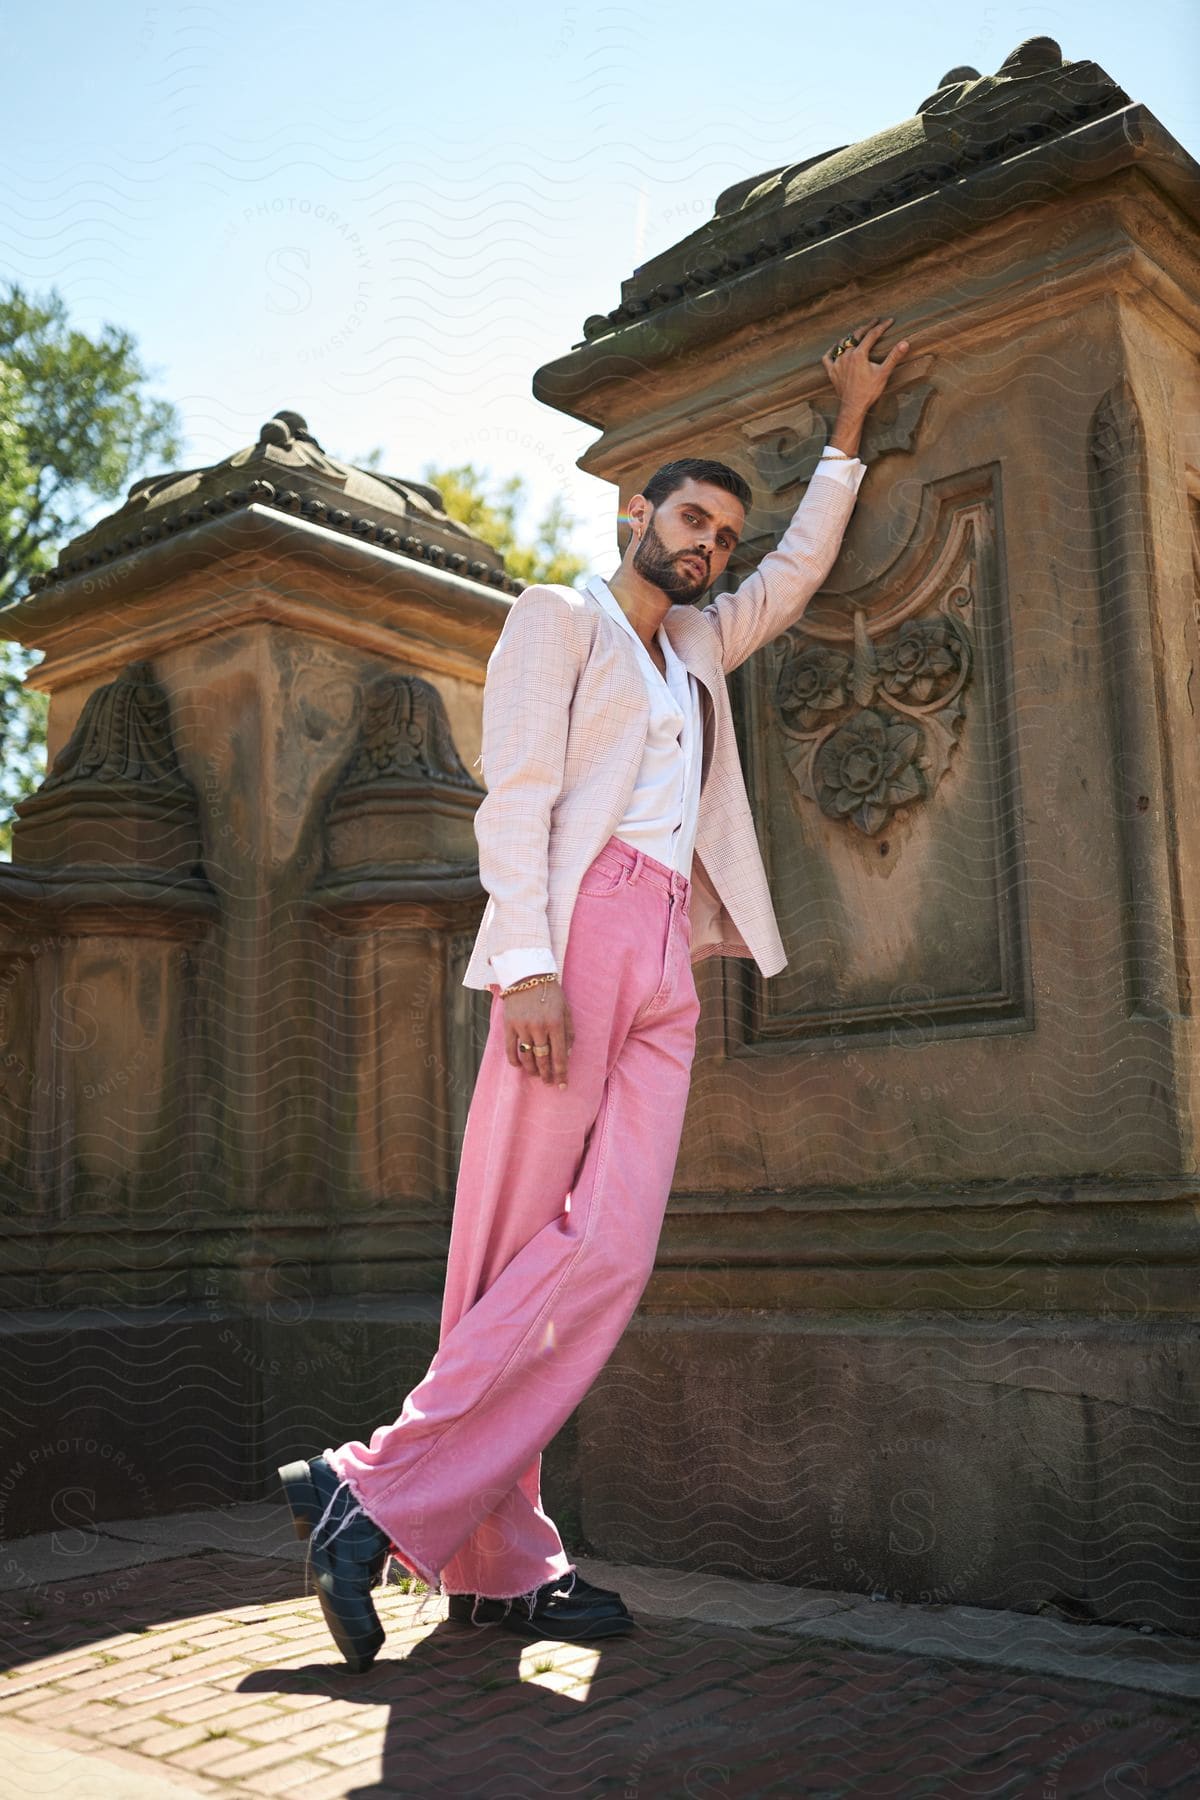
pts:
pixel 639 857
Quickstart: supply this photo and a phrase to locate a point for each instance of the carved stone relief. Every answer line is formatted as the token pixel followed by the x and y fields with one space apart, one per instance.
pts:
pixel 785 447
pixel 123 735
pixel 405 795
pixel 406 736
pixel 115 794
pixel 870 709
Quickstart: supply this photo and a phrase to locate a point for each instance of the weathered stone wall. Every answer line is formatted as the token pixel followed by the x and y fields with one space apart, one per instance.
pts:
pixel 924 1312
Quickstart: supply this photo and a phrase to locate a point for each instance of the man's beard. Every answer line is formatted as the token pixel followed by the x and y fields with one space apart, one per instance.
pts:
pixel 655 565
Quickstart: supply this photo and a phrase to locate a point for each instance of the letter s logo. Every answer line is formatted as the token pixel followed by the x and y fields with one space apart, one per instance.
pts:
pixel 291 285
pixel 85 1534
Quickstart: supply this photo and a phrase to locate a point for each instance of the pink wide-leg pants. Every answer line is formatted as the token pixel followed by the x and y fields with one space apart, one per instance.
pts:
pixel 558 1209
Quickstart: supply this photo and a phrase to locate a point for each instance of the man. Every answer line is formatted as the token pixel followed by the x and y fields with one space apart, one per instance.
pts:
pixel 617 848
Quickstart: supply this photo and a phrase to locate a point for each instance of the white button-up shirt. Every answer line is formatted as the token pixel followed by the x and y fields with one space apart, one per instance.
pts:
pixel 664 807
pixel 665 803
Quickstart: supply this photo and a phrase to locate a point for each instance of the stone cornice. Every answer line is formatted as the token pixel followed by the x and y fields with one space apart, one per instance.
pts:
pixel 783 351
pixel 79 901
pixel 72 620
pixel 791 278
pixel 287 469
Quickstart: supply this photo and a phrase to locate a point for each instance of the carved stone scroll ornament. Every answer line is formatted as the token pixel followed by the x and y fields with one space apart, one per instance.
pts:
pixel 785 447
pixel 404 797
pixel 871 728
pixel 123 735
pixel 406 737
pixel 115 794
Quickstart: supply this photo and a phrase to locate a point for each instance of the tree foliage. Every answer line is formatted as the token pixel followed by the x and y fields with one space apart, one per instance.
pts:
pixel 495 516
pixel 76 426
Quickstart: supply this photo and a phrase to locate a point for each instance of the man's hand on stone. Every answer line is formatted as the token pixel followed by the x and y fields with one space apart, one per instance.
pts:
pixel 539 1016
pixel 857 381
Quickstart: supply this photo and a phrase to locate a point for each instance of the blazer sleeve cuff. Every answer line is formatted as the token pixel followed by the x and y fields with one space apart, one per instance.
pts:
pixel 849 470
pixel 515 965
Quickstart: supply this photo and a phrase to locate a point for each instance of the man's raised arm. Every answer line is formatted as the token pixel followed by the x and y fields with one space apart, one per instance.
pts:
pixel 776 594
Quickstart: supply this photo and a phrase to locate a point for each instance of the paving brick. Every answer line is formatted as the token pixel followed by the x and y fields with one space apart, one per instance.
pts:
pixel 445 1711
pixel 308 1780
pixel 303 1779
pixel 81 1718
pixel 128 1731
pixel 107 1683
pixel 285 1724
pixel 64 1663
pixel 207 1758
pixel 200 1702
pixel 1095 1768
pixel 366 1747
pixel 169 1741
pixel 1170 1762
pixel 163 1685
pixel 119 1716
pixel 221 1709
pixel 297 1702
pixel 280 1750
pixel 26 1693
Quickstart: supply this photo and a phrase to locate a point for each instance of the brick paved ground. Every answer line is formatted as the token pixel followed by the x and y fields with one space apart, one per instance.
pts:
pixel 210 1668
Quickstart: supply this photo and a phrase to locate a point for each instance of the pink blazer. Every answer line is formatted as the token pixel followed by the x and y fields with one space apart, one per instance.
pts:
pixel 564 724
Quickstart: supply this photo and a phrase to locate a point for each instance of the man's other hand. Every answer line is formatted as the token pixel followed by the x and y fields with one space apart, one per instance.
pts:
pixel 539 1015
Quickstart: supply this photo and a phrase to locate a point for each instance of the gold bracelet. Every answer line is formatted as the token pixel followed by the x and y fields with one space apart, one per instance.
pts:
pixel 529 981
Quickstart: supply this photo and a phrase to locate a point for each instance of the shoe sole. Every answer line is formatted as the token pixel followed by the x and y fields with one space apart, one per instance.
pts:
pixel 458 1614
pixel 306 1509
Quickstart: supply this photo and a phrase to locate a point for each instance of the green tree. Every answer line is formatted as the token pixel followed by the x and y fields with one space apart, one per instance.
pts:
pixel 495 516
pixel 76 426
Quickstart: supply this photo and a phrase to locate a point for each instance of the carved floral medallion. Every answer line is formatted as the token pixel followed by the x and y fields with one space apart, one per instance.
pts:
pixel 871 727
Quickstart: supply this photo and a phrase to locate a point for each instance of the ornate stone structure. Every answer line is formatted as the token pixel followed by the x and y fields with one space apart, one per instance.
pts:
pixel 236 1051
pixel 924 1315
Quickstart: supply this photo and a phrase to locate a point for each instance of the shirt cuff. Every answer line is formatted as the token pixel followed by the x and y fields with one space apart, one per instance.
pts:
pixel 849 470
pixel 515 965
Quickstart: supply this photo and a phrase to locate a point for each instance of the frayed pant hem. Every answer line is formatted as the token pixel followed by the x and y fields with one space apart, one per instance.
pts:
pixel 530 1596
pixel 432 1579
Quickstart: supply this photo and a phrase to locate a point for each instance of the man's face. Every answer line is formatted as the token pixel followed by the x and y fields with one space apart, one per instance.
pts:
pixel 686 540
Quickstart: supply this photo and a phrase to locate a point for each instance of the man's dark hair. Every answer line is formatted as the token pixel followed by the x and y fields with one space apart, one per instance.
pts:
pixel 672 475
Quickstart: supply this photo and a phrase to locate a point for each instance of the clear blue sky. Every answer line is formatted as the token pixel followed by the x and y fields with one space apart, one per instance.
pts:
pixel 387 216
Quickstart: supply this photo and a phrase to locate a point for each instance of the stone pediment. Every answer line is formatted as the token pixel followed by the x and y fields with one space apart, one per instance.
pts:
pixel 969 122
pixel 287 469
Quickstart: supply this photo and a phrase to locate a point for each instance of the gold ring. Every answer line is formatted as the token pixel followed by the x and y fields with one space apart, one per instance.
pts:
pixel 847 343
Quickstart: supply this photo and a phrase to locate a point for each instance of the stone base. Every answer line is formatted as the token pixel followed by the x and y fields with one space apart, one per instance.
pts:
pixel 142 1411
pixel 1013 1464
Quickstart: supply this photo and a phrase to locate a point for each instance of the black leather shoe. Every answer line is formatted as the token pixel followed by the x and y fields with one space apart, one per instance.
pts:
pixel 347 1558
pixel 586 1612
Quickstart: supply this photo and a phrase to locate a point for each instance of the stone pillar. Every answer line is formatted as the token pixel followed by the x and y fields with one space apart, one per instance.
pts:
pixel 237 1052
pixel 924 1315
